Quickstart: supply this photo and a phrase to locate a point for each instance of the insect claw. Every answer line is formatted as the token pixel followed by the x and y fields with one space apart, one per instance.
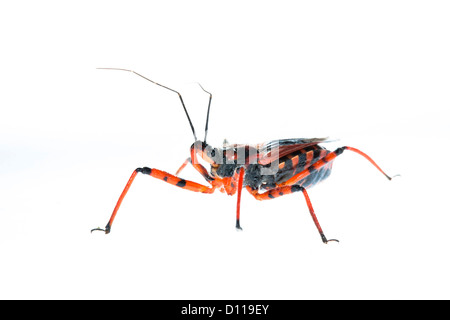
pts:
pixel 106 230
pixel 390 178
pixel 324 239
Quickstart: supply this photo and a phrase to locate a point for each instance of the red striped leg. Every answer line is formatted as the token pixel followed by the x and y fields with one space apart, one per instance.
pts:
pixel 161 175
pixel 323 161
pixel 281 191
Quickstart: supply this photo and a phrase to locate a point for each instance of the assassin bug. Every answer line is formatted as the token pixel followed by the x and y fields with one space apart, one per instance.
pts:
pixel 267 171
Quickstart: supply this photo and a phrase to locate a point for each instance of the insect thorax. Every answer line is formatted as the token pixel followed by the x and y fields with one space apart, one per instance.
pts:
pixel 253 174
pixel 256 175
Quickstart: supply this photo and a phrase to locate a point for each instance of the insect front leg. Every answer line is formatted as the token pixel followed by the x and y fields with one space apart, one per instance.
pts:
pixel 281 191
pixel 188 160
pixel 161 175
pixel 200 169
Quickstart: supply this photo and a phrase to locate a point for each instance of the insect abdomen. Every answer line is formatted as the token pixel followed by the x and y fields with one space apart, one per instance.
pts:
pixel 301 160
pixel 316 177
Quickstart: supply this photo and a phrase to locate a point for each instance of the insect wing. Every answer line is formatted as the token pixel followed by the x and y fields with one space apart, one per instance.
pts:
pixel 276 149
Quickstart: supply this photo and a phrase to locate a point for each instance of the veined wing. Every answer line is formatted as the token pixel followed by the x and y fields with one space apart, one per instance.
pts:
pixel 275 149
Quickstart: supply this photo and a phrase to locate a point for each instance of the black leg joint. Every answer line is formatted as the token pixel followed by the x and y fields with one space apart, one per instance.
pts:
pixel 296 188
pixel 144 170
pixel 339 151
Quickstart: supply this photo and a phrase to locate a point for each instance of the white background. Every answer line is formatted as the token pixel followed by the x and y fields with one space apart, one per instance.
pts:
pixel 373 74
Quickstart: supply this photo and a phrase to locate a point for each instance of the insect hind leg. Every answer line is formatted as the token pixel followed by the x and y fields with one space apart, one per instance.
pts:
pixel 328 159
pixel 370 160
pixel 284 190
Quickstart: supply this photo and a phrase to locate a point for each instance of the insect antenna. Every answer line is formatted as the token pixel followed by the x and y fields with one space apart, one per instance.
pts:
pixel 179 95
pixel 207 113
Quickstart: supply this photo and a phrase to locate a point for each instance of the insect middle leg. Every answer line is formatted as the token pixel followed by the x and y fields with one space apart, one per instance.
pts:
pixel 161 175
pixel 281 191
pixel 239 190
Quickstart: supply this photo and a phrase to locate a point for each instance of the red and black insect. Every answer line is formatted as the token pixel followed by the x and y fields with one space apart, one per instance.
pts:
pixel 267 171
